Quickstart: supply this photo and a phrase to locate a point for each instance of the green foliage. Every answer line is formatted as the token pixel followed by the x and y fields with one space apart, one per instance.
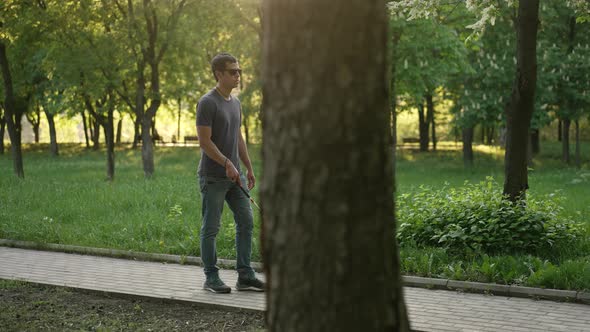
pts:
pixel 476 218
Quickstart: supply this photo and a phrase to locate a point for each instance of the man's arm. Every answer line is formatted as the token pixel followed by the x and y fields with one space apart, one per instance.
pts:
pixel 213 152
pixel 243 150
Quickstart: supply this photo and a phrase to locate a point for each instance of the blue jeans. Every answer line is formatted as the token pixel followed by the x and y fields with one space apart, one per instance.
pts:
pixel 214 191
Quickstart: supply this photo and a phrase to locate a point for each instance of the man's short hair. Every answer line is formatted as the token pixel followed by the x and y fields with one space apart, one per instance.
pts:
pixel 218 62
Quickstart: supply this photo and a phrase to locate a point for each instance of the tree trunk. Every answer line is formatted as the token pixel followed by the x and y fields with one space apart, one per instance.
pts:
pixel 468 147
pixel 430 119
pixel 179 115
pixel 559 130
pixel 53 148
pixel 423 128
pixel 578 156
pixel 490 135
pixel 13 113
pixel 95 134
pixel 395 37
pixel 341 213
pixel 529 152
pixel 136 132
pixel 2 130
pixel 85 125
pixel 247 132
pixel 520 109
pixel 109 134
pixel 535 141
pixel 119 129
pixel 565 141
pixel 34 119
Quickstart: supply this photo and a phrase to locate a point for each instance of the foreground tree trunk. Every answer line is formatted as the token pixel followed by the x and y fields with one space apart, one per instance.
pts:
pixel 119 129
pixel 335 198
pixel 12 114
pixel 468 147
pixel 53 148
pixel 520 108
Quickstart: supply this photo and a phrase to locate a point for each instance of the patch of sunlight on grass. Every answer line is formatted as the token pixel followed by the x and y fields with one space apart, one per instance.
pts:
pixel 492 150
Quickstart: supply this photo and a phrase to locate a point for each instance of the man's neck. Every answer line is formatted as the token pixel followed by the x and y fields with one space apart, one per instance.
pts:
pixel 224 92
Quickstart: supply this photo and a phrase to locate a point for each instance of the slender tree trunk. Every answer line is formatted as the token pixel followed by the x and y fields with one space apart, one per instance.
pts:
pixel 136 131
pixel 85 125
pixel 247 132
pixel 95 134
pixel 119 129
pixel 12 114
pixel 565 141
pixel 340 213
pixel 53 147
pixel 529 151
pixel 559 124
pixel 483 134
pixel 430 118
pixel 468 147
pixel 490 135
pixel 578 156
pixel 179 115
pixel 535 141
pixel 423 128
pixel 2 130
pixel 520 109
pixel 34 119
pixel 109 134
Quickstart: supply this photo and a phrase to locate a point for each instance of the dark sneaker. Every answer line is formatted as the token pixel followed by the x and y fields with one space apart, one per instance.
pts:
pixel 215 285
pixel 250 284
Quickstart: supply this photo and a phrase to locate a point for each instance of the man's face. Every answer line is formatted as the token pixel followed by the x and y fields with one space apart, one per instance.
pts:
pixel 230 77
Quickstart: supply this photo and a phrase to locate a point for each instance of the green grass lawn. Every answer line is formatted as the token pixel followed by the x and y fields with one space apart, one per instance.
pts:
pixel 66 200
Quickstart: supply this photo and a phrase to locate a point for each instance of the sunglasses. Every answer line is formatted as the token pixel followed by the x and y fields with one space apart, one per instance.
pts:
pixel 233 72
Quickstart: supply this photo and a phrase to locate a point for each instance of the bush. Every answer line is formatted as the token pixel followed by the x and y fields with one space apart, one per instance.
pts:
pixel 476 218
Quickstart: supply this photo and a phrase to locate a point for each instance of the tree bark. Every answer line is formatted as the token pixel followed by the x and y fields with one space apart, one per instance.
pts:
pixel 468 147
pixel 565 141
pixel 341 213
pixel 136 131
pixel 179 115
pixel 2 130
pixel 13 113
pixel 85 125
pixel 95 130
pixel 578 156
pixel 423 128
pixel 559 130
pixel 109 135
pixel 535 141
pixel 520 109
pixel 119 129
pixel 53 147
pixel 34 119
pixel 430 119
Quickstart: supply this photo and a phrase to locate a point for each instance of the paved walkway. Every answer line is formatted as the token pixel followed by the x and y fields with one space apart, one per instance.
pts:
pixel 430 310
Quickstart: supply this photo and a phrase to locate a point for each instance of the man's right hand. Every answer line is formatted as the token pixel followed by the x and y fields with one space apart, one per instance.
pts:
pixel 231 172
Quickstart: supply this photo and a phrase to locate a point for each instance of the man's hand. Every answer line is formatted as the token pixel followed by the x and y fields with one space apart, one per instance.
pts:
pixel 231 172
pixel 251 179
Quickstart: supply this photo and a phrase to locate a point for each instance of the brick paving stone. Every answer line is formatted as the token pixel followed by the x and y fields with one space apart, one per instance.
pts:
pixel 429 310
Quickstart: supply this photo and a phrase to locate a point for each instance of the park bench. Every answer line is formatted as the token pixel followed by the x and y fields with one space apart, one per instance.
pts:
pixel 155 138
pixel 190 139
pixel 410 140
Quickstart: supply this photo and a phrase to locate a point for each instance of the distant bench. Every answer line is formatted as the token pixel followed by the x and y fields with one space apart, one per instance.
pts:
pixel 410 140
pixel 190 139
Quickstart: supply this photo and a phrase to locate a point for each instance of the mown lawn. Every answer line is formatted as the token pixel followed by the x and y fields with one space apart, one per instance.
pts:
pixel 66 200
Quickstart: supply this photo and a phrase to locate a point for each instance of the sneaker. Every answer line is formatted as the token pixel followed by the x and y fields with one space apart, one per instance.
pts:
pixel 215 285
pixel 250 284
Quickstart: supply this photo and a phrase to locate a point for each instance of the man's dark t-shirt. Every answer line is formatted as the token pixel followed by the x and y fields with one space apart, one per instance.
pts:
pixel 224 117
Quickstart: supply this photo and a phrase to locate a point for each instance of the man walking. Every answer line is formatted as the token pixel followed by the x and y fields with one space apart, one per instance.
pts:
pixel 222 147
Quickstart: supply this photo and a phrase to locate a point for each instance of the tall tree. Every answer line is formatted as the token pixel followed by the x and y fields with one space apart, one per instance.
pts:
pixel 150 33
pixel 520 108
pixel 334 197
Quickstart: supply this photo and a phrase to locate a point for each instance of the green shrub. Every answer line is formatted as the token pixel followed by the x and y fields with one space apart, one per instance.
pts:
pixel 476 218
